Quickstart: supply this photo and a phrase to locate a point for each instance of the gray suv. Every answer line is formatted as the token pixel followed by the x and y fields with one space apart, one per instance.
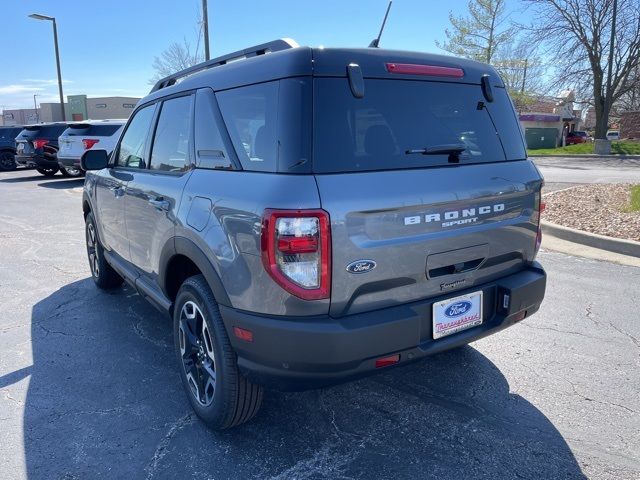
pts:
pixel 309 216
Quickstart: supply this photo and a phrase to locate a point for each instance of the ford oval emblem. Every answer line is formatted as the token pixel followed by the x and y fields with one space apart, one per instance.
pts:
pixel 361 266
pixel 457 309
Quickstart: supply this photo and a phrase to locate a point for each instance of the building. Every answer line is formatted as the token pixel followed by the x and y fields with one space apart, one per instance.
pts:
pixel 77 108
pixel 630 125
pixel 547 121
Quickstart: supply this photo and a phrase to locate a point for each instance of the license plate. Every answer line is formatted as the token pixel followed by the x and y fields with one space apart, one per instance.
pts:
pixel 456 314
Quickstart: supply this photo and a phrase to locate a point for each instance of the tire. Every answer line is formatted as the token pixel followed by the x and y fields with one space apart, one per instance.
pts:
pixel 103 274
pixel 71 172
pixel 47 172
pixel 219 394
pixel 7 162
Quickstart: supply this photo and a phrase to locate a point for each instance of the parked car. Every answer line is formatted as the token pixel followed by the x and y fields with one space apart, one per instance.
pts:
pixel 613 135
pixel 8 147
pixel 82 136
pixel 577 137
pixel 37 146
pixel 309 216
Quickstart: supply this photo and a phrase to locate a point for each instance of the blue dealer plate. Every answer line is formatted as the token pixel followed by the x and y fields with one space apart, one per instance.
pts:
pixel 456 314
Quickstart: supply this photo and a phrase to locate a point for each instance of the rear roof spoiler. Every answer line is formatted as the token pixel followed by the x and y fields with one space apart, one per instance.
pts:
pixel 256 50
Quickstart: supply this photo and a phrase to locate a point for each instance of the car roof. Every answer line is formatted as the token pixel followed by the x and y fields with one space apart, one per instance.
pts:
pixel 306 61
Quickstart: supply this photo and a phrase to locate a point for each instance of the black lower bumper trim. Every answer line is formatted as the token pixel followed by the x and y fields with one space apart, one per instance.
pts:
pixel 301 353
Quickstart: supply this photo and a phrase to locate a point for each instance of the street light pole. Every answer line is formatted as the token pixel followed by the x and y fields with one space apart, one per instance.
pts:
pixel 35 107
pixel 37 16
pixel 205 22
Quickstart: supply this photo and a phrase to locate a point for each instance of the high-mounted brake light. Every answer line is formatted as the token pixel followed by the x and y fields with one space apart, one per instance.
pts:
pixel 89 142
pixel 296 251
pixel 39 143
pixel 430 70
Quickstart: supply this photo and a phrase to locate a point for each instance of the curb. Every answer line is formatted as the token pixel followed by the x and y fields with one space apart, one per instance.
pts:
pixel 616 245
pixel 619 156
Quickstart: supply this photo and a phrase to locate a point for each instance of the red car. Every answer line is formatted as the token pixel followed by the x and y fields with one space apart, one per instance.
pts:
pixel 577 137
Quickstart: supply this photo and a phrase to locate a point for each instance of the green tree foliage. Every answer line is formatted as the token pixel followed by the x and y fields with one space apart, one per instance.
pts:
pixel 482 33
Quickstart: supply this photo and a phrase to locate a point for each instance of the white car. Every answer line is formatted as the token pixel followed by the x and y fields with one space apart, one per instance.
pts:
pixel 82 136
pixel 613 135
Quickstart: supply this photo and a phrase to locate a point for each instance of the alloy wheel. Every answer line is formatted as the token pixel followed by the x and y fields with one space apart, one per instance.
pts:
pixel 196 349
pixel 92 250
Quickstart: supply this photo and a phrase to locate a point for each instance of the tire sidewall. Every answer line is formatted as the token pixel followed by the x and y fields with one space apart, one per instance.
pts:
pixel 214 413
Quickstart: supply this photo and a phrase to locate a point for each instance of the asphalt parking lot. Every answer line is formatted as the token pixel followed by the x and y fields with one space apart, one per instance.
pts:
pixel 89 387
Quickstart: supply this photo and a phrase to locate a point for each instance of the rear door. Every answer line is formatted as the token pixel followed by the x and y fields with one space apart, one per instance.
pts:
pixel 408 224
pixel 131 156
pixel 153 193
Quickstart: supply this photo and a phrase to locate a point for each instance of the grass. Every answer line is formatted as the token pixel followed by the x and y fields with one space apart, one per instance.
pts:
pixel 634 204
pixel 622 148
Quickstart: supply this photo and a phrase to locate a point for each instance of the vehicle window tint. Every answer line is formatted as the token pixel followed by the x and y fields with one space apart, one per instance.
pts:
pixel 102 130
pixel 131 151
pixel 397 116
pixel 52 131
pixel 250 114
pixel 210 148
pixel 170 150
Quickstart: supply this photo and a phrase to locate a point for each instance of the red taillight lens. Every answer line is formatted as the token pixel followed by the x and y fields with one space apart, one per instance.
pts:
pixel 431 70
pixel 541 207
pixel 296 251
pixel 39 143
pixel 89 142
pixel 387 361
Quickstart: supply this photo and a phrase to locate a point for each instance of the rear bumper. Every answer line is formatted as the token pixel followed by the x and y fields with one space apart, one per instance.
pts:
pixel 69 162
pixel 37 161
pixel 301 353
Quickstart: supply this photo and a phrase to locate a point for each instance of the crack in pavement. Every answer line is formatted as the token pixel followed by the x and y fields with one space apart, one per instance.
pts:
pixel 589 399
pixel 162 448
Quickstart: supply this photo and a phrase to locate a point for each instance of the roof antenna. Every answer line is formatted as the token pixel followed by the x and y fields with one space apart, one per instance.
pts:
pixel 376 41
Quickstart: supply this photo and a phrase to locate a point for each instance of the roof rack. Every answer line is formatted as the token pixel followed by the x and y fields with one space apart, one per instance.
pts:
pixel 256 50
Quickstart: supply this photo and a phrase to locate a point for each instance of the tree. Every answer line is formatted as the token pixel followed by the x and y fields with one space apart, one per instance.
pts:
pixel 577 34
pixel 176 57
pixel 482 33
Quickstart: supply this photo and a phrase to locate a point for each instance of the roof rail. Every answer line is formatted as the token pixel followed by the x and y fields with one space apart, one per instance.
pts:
pixel 256 50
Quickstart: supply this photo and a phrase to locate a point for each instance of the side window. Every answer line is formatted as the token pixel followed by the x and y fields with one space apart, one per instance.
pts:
pixel 131 151
pixel 210 148
pixel 170 150
pixel 250 114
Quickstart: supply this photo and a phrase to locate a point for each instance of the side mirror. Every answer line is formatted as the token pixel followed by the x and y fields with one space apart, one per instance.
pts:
pixel 94 160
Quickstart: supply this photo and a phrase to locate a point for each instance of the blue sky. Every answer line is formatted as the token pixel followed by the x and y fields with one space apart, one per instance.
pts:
pixel 107 47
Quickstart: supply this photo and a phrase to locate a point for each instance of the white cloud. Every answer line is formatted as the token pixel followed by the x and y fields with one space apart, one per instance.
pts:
pixel 18 88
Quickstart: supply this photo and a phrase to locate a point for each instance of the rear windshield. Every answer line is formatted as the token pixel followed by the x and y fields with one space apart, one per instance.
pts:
pixel 397 116
pixel 43 131
pixel 9 133
pixel 94 130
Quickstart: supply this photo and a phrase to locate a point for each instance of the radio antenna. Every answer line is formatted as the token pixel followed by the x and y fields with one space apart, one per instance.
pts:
pixel 376 41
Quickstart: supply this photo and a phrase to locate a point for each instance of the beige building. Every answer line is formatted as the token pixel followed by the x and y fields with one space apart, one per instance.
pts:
pixel 77 108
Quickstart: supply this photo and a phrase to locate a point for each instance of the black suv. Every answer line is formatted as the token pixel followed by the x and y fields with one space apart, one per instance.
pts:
pixel 8 147
pixel 37 146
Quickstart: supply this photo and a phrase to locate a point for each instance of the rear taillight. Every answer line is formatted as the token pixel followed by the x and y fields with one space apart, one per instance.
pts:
pixel 296 251
pixel 541 206
pixel 89 142
pixel 39 143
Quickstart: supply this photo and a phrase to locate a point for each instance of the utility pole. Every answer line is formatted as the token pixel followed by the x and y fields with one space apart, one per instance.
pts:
pixel 205 22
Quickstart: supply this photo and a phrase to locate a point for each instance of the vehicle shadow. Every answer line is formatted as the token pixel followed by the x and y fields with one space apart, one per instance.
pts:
pixel 64 184
pixel 30 178
pixel 105 400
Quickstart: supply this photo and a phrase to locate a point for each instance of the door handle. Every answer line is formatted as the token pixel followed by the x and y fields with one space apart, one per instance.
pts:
pixel 117 190
pixel 159 203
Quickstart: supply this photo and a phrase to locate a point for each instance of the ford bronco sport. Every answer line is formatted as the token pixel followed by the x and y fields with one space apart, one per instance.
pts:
pixel 309 216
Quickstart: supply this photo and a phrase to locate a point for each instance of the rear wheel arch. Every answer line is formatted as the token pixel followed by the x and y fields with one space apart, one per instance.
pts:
pixel 186 259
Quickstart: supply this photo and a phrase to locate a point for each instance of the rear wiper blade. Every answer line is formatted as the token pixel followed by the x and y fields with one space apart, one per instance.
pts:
pixel 453 150
pixel 446 149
